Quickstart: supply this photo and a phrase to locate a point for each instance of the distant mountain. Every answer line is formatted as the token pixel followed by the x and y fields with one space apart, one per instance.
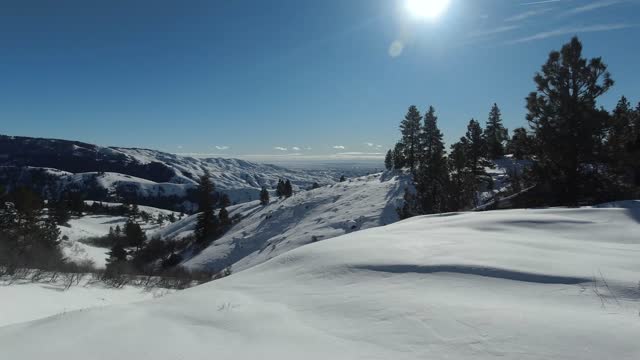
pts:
pixel 138 175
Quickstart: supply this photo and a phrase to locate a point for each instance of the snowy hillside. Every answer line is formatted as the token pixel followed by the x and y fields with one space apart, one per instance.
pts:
pixel 516 284
pixel 267 231
pixel 129 172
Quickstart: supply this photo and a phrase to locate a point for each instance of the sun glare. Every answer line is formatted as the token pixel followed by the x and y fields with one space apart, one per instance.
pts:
pixel 427 9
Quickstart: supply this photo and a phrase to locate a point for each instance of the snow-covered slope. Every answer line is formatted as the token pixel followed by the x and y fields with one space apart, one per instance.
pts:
pixel 516 284
pixel 52 163
pixel 267 231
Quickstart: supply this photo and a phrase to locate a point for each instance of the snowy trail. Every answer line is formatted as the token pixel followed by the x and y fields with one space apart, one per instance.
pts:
pixel 563 285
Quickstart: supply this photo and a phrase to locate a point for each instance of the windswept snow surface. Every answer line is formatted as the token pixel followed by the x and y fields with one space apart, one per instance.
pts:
pixel 21 302
pixel 310 216
pixel 516 284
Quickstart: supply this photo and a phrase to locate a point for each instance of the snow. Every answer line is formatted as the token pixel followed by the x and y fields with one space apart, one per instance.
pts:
pixel 517 284
pixel 285 224
pixel 24 302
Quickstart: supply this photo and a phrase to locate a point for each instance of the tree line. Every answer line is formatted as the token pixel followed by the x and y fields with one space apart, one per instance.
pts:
pixel 581 153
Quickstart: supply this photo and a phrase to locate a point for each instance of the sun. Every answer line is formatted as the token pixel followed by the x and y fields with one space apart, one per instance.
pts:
pixel 427 9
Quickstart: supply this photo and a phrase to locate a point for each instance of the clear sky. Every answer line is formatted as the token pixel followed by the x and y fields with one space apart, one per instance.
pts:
pixel 283 77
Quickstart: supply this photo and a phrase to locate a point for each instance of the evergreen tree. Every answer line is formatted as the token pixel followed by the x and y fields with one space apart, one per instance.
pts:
pixel 388 160
pixel 567 125
pixel 619 137
pixel 620 129
pixel 223 215
pixel 410 128
pixel 280 191
pixel 207 224
pixel 399 161
pixel 433 174
pixel 117 232
pixel 134 234
pixel 60 212
pixel 225 201
pixel 409 208
pixel 116 260
pixel 343 179
pixel 462 186
pixel 134 211
pixel 264 196
pixel 521 144
pixel 476 148
pixel 288 189
pixel 75 201
pixel 495 134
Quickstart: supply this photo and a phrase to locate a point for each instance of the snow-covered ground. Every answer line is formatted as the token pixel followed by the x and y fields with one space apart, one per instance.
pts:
pixel 25 301
pixel 285 224
pixel 516 284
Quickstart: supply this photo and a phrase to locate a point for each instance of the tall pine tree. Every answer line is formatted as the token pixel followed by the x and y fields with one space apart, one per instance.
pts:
pixel 207 225
pixel 567 125
pixel 410 128
pixel 476 148
pixel 495 134
pixel 521 144
pixel 433 174
pixel 399 160
pixel 388 160
pixel 462 186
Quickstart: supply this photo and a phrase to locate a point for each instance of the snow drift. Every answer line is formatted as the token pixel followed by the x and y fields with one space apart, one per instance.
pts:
pixel 516 284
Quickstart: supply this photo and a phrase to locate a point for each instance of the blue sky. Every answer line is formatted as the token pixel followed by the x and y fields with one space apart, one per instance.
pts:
pixel 276 78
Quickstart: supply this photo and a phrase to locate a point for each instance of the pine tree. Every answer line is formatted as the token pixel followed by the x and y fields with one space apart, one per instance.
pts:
pixel 462 186
pixel 223 215
pixel 388 160
pixel 433 174
pixel 410 128
pixel 521 144
pixel 399 161
pixel 117 254
pixel 495 134
pixel 343 178
pixel 620 136
pixel 264 196
pixel 567 125
pixel 134 211
pixel 409 207
pixel 620 128
pixel 117 232
pixel 134 234
pixel 60 211
pixel 207 224
pixel 225 201
pixel 280 189
pixel 288 189
pixel 476 148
